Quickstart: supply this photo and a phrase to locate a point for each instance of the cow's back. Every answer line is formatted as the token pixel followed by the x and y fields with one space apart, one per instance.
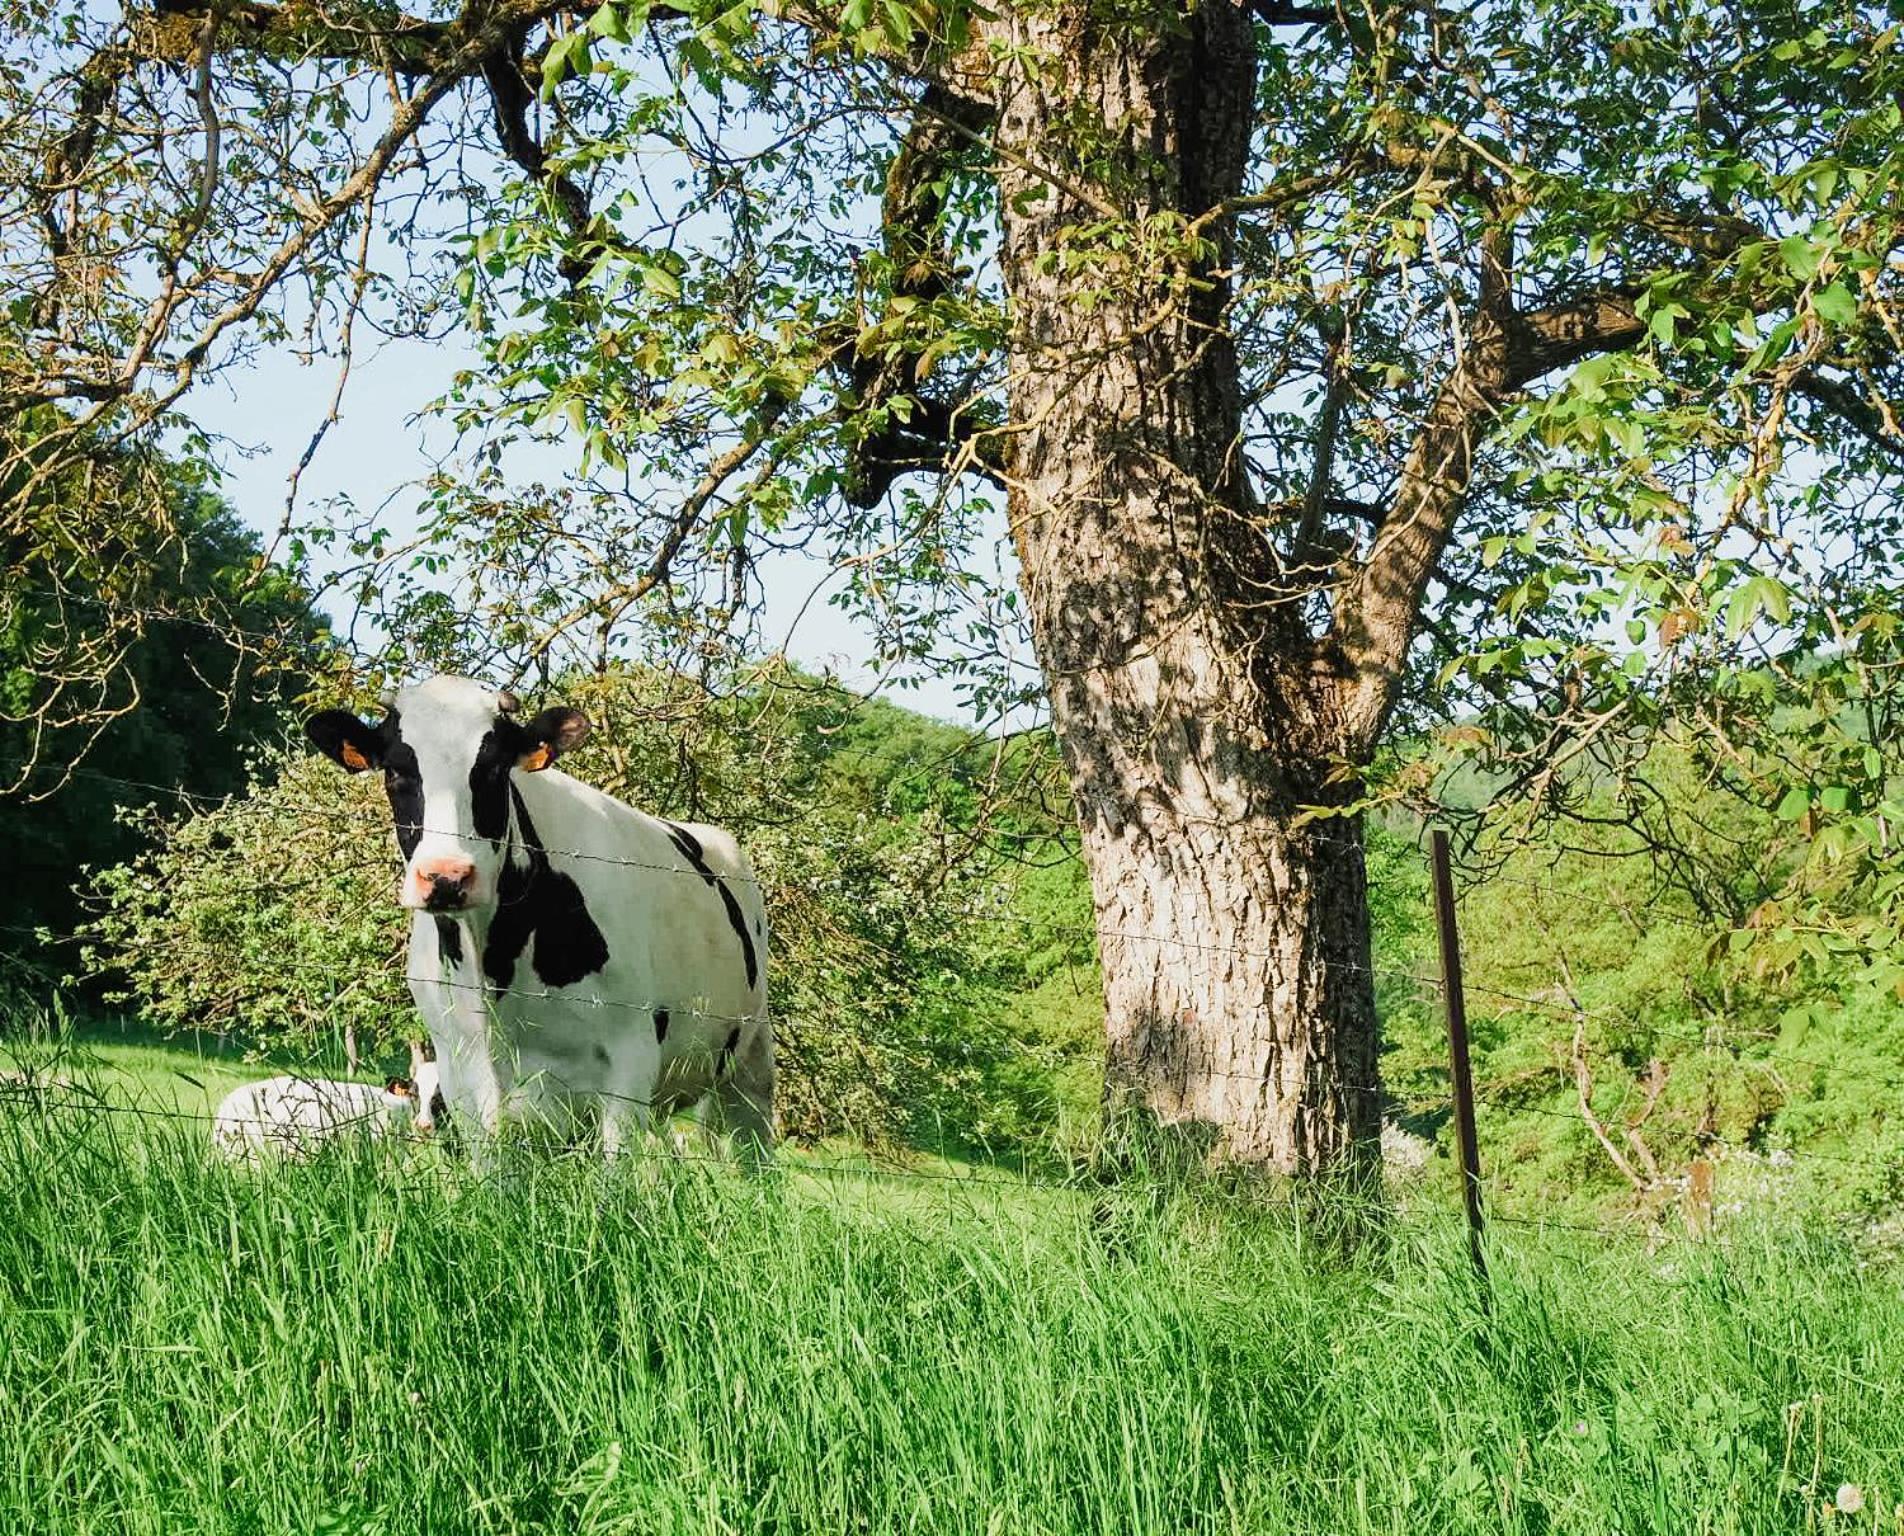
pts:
pixel 677 905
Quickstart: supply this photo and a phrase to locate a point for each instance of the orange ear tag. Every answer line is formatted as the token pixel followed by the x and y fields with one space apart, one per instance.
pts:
pixel 354 760
pixel 536 758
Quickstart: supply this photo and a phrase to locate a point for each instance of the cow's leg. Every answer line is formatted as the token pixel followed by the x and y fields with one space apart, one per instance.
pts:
pixel 743 1100
pixel 624 1117
pixel 476 1073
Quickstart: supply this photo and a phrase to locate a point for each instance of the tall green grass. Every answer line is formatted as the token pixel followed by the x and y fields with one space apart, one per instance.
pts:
pixel 380 1341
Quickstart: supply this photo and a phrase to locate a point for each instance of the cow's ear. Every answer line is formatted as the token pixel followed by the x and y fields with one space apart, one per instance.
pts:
pixel 345 739
pixel 552 733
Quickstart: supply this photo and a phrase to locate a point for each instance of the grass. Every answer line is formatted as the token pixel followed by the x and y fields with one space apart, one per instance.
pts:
pixel 382 1342
pixel 138 1064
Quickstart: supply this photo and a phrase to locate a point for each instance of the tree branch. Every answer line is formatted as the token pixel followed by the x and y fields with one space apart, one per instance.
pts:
pixel 511 96
pixel 1306 546
pixel 472 42
pixel 933 432
pixel 611 605
pixel 1375 616
pixel 1563 334
pixel 411 46
pixel 1505 351
pixel 1273 14
pixel 1871 418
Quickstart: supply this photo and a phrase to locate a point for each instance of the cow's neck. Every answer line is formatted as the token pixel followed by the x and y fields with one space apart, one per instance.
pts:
pixel 524 852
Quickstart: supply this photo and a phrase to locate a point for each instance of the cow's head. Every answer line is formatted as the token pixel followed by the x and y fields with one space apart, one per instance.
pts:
pixel 427 1078
pixel 447 748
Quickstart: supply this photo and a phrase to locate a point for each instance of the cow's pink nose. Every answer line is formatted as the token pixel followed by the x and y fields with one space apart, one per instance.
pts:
pixel 445 882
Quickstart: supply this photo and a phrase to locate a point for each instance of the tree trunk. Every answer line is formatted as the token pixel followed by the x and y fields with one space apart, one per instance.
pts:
pixel 1194 717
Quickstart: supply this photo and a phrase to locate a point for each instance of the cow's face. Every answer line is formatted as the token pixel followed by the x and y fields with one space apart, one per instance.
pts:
pixel 447 748
pixel 427 1077
pixel 429 1097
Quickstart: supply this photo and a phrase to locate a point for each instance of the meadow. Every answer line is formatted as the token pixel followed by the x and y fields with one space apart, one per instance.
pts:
pixel 382 1342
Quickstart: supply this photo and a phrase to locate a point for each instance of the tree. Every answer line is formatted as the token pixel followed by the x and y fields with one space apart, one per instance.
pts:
pixel 137 667
pixel 1309 347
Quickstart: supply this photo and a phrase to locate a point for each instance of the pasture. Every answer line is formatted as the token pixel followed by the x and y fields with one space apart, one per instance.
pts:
pixel 382 1342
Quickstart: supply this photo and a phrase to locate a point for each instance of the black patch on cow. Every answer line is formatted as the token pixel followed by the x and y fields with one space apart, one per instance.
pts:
pixel 449 940
pixel 660 1025
pixel 690 845
pixel 601 1055
pixel 489 786
pixel 403 783
pixel 692 851
pixel 725 1059
pixel 543 904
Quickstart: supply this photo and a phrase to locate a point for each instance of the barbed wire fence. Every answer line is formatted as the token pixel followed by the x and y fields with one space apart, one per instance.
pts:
pixel 42 1085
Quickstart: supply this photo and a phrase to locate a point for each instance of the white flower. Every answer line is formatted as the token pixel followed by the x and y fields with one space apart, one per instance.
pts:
pixel 1850 1498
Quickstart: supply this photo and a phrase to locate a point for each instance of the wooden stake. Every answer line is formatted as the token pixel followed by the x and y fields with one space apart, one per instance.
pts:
pixel 1463 1073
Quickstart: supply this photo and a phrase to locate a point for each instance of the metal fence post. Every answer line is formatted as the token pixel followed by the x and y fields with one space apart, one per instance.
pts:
pixel 1463 1073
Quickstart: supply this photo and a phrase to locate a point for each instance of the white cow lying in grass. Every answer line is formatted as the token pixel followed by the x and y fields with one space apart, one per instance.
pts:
pixel 297 1115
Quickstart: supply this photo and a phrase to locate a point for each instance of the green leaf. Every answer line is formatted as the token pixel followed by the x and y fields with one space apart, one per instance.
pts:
pixel 567 55
pixel 1797 801
pixel 1801 257
pixel 609 22
pixel 1661 325
pixel 1836 303
pixel 660 282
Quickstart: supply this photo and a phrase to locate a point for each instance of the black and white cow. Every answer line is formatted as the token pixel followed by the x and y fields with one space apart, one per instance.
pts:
pixel 573 958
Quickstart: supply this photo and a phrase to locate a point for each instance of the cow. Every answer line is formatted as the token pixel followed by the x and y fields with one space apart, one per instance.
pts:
pixel 294 1116
pixel 576 961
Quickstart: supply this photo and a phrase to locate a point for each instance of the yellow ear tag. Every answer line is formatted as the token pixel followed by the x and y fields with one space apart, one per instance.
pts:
pixel 354 760
pixel 536 758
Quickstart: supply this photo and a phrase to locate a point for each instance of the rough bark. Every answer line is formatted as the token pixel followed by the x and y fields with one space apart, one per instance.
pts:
pixel 1195 720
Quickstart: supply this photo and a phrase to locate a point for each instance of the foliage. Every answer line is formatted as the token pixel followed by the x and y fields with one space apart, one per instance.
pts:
pixel 1680 229
pixel 265 916
pixel 1606 947
pixel 132 669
